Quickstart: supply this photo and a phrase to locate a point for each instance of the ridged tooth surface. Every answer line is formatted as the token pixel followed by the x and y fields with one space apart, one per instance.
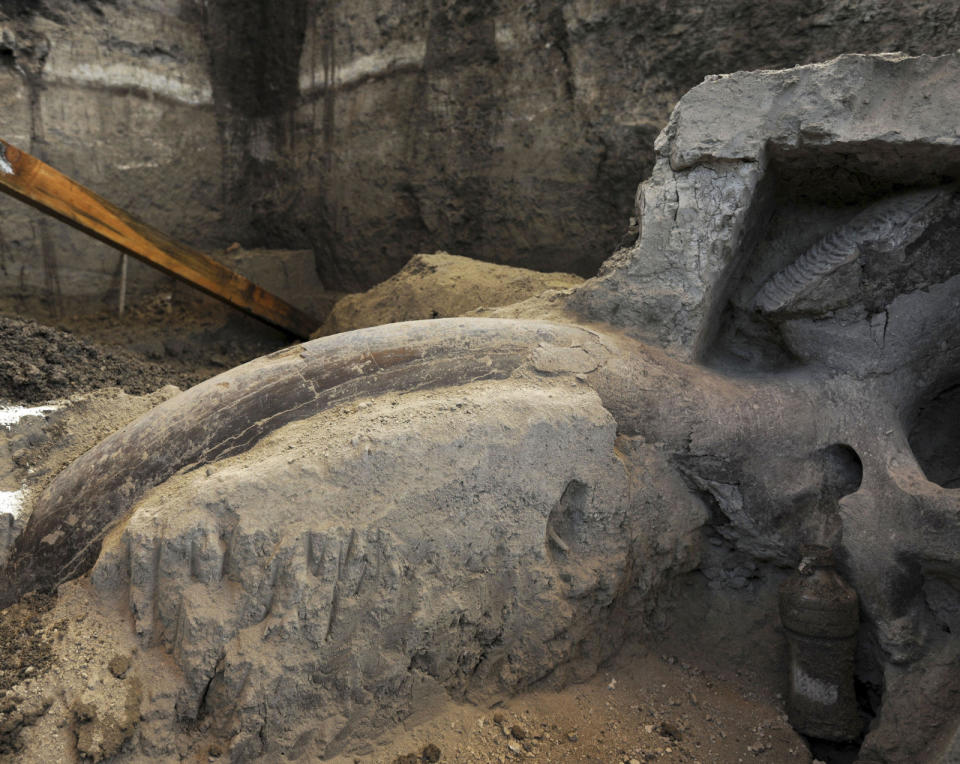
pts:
pixel 886 225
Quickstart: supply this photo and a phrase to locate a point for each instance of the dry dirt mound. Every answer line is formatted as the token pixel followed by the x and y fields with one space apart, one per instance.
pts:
pixel 440 286
pixel 39 363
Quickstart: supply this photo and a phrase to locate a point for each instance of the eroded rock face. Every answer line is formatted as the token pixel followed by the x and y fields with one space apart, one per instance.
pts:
pixel 516 132
pixel 753 168
pixel 321 583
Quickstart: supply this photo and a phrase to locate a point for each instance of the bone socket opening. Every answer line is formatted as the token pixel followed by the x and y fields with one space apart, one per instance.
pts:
pixel 935 436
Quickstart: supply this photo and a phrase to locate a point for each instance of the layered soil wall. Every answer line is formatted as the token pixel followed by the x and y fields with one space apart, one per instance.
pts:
pixel 513 132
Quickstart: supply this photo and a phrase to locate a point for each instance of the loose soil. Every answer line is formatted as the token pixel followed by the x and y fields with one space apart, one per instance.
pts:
pixel 24 641
pixel 162 339
pixel 40 363
pixel 646 706
pixel 25 653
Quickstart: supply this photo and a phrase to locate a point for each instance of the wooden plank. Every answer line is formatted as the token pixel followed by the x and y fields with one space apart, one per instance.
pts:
pixel 28 179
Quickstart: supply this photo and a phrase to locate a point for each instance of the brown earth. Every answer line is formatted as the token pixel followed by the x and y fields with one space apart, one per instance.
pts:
pixel 647 705
pixel 166 338
pixel 40 363
pixel 440 285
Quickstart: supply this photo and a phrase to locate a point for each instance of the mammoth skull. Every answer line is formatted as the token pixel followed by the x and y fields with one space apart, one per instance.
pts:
pixel 475 502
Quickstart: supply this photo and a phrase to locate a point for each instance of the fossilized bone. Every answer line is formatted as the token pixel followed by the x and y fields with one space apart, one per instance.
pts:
pixel 885 226
pixel 692 412
pixel 649 394
pixel 739 443
pixel 753 447
pixel 226 415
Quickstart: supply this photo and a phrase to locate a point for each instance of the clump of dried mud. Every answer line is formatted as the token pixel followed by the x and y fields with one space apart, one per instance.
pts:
pixel 166 338
pixel 24 640
pixel 39 363
pixel 27 652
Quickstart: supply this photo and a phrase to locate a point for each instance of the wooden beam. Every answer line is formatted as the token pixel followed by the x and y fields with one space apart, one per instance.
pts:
pixel 28 179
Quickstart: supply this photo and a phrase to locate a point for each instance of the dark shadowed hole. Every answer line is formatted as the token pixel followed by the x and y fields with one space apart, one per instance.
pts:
pixel 833 753
pixel 935 437
pixel 566 520
pixel 843 471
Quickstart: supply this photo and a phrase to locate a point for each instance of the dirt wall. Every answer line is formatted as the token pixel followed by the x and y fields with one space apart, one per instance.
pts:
pixel 118 96
pixel 518 131
pixel 514 132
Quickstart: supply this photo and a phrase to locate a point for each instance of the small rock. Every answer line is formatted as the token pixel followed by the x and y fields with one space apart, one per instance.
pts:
pixel 499 717
pixel 671 730
pixel 119 665
pixel 430 753
pixel 10 722
pixel 573 737
pixel 518 732
pixel 515 747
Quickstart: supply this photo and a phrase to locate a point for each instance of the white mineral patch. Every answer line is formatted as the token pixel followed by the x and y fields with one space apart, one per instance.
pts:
pixel 5 166
pixel 10 415
pixel 11 502
pixel 815 689
pixel 137 165
pixel 171 84
pixel 391 57
pixel 505 37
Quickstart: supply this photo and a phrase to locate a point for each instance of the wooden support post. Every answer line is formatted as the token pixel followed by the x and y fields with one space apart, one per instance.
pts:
pixel 28 179
pixel 123 285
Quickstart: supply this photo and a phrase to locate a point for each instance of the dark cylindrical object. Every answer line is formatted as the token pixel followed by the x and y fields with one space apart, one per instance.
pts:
pixel 821 615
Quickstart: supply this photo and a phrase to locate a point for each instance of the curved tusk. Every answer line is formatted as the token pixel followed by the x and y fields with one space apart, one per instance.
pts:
pixel 229 413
